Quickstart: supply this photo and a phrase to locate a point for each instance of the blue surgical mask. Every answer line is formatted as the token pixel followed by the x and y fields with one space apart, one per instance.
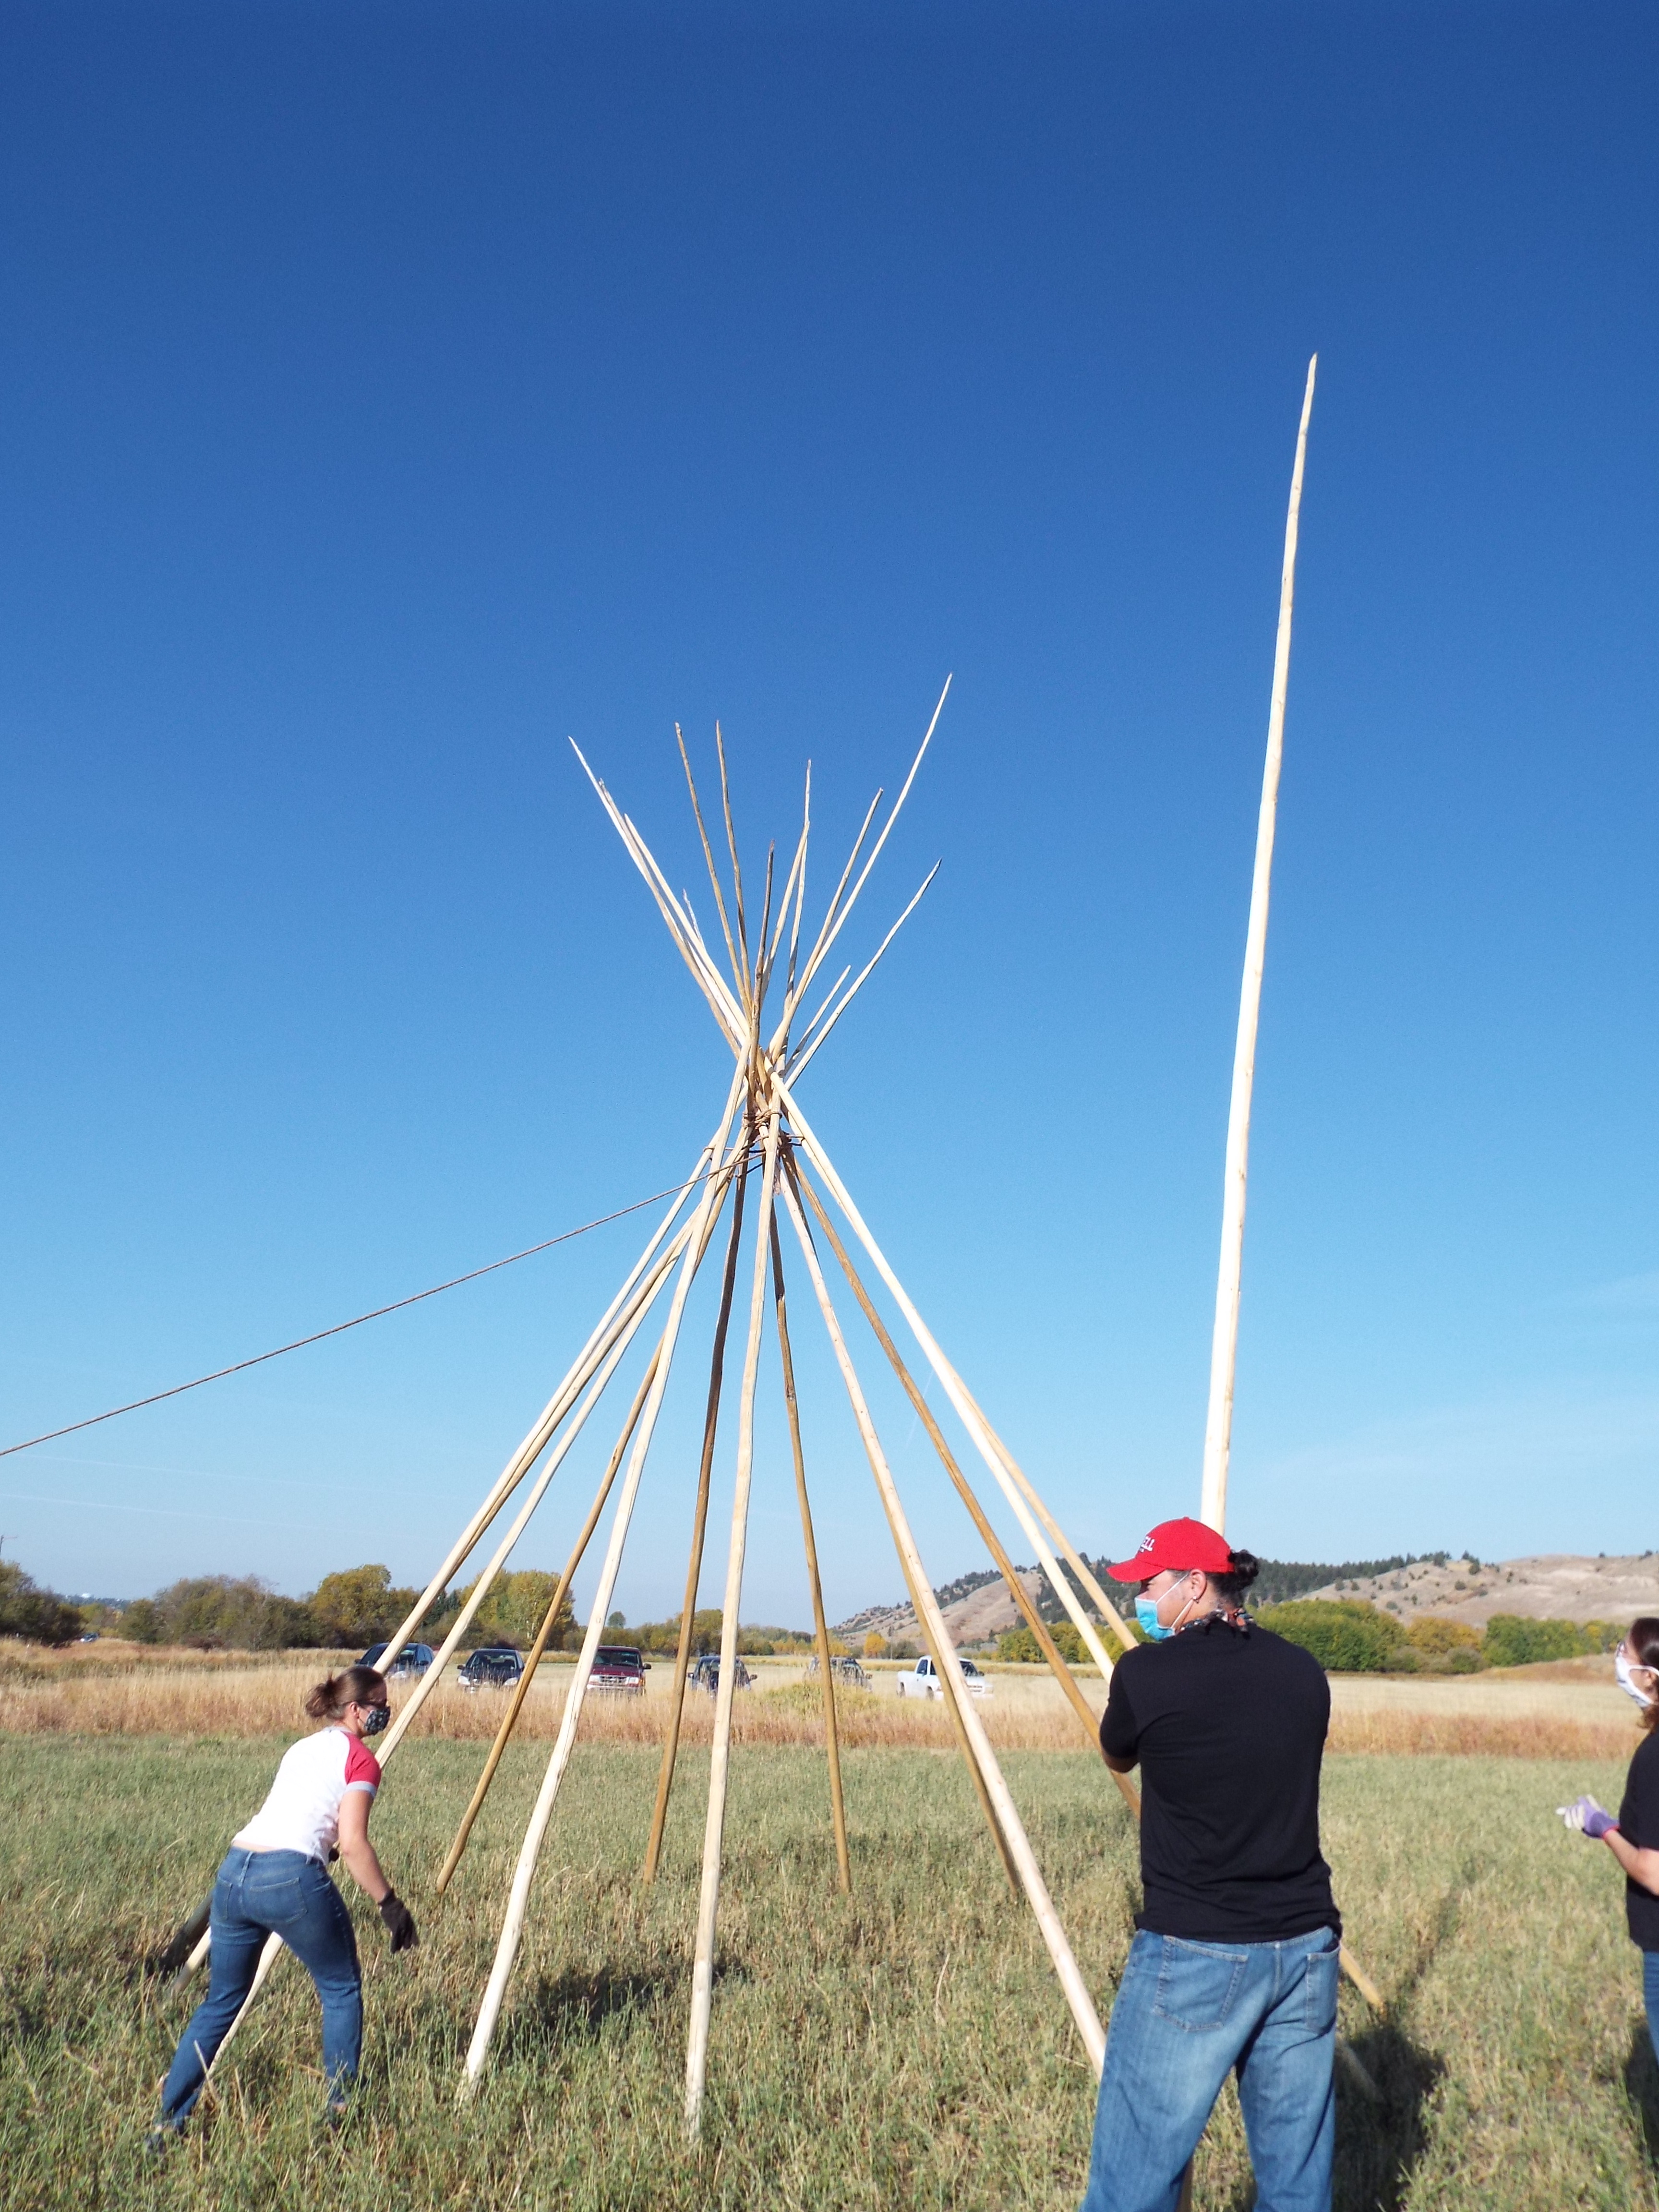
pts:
pixel 1151 1626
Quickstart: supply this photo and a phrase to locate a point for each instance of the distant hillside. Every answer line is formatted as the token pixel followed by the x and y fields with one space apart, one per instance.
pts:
pixel 1282 1579
pixel 1559 1586
pixel 977 1607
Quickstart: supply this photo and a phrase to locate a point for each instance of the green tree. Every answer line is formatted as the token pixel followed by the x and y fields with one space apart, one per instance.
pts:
pixel 1345 1634
pixel 357 1606
pixel 1511 1640
pixel 221 1612
pixel 1437 1637
pixel 513 1611
pixel 25 1610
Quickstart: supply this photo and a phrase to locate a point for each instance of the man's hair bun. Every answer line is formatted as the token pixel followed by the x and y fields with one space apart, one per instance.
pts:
pixel 1244 1568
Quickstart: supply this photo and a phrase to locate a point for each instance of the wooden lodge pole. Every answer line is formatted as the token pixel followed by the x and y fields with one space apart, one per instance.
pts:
pixel 1223 1347
pixel 699 1524
pixel 524 1874
pixel 702 1965
pixel 545 1633
pixel 820 1626
pixel 1030 1874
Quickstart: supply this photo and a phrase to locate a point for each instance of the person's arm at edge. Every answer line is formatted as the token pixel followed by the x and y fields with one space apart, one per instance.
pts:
pixel 1642 1866
pixel 356 1850
pixel 1122 1752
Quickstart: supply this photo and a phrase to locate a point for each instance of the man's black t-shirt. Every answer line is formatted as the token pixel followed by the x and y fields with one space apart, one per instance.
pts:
pixel 1229 1727
pixel 1639 1823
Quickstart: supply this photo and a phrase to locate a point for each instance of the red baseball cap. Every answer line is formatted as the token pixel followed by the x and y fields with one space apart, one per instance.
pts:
pixel 1182 1545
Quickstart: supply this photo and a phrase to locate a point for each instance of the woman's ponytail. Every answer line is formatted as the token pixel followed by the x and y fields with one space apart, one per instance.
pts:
pixel 352 1686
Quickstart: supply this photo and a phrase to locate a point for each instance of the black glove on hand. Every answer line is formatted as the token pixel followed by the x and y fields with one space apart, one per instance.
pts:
pixel 399 1922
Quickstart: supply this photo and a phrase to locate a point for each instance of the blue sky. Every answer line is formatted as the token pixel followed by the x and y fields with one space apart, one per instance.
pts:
pixel 389 393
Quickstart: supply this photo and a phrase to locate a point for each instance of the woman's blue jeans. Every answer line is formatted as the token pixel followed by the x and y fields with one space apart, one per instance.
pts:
pixel 260 1893
pixel 1187 2013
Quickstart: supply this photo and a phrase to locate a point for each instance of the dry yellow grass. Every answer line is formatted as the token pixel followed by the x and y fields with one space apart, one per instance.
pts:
pixel 109 1689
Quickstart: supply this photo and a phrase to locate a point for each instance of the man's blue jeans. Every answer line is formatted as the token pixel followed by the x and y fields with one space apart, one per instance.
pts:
pixel 273 1893
pixel 1186 2014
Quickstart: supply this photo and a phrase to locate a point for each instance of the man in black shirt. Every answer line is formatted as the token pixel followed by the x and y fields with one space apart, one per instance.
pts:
pixel 1235 1962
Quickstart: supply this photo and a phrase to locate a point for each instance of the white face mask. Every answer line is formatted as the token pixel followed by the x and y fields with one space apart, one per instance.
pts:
pixel 1621 1667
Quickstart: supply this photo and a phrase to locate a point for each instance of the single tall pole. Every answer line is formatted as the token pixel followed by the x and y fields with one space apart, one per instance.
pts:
pixel 1223 1349
pixel 719 1751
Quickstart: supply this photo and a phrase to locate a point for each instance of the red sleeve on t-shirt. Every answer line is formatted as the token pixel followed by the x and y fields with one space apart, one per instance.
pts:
pixel 362 1766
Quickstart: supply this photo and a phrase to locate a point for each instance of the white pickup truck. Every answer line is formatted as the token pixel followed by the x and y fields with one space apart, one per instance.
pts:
pixel 922 1680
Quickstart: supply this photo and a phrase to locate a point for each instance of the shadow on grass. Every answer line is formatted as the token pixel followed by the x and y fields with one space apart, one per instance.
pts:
pixel 576 2008
pixel 1380 2138
pixel 1378 2143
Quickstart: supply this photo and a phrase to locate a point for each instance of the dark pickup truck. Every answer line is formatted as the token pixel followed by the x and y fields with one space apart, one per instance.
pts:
pixel 493 1667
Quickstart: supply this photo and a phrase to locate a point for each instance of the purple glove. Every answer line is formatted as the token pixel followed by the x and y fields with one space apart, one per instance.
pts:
pixel 1587 1817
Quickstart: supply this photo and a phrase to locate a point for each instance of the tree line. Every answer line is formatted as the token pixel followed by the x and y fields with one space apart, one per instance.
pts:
pixel 348 1611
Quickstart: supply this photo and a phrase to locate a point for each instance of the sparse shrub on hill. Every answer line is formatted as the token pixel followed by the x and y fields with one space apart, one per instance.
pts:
pixel 41 1616
pixel 1513 1640
pixel 1345 1634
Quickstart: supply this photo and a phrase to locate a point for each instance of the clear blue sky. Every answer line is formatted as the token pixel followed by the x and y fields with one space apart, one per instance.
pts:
pixel 387 392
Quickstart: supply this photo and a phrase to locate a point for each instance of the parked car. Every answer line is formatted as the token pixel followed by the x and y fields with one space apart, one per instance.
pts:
pixel 706 1674
pixel 413 1659
pixel 619 1667
pixel 493 1667
pixel 922 1680
pixel 845 1669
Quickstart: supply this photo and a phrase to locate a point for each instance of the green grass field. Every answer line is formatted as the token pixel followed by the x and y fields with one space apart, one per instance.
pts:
pixel 907 2048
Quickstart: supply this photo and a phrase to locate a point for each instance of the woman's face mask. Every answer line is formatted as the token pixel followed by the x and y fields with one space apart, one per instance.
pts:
pixel 1623 1672
pixel 375 1718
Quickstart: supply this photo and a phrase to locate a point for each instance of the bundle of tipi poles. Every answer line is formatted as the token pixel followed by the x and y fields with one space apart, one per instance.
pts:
pixel 764 1141
pixel 763 1159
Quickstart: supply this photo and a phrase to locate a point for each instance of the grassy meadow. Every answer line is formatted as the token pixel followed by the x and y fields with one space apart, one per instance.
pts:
pixel 906 2048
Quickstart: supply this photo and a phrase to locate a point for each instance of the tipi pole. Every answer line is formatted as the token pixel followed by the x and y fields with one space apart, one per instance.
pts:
pixel 953 1690
pixel 702 1965
pixel 545 1634
pixel 835 920
pixel 603 1341
pixel 820 1626
pixel 699 1524
pixel 556 1405
pixel 1054 1934
pixel 806 1050
pixel 1224 1348
pixel 485 1581
pixel 554 1412
pixel 1063 1543
pixel 1016 1589
pixel 967 1411
pixel 524 1874
pixel 953 1695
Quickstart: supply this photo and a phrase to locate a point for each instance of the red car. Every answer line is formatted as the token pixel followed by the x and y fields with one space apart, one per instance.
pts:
pixel 618 1667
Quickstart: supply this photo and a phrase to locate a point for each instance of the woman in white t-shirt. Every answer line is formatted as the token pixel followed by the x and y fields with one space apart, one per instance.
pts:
pixel 275 1881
